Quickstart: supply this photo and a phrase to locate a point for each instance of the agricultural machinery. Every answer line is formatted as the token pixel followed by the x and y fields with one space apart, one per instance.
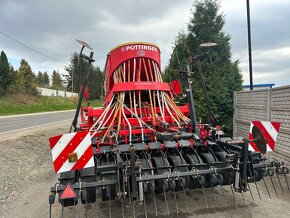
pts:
pixel 142 143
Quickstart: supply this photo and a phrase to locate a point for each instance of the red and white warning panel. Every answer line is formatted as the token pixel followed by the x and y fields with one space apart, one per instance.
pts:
pixel 270 132
pixel 72 151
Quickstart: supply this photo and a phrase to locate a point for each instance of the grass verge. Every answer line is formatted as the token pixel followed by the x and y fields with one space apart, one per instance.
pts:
pixel 22 104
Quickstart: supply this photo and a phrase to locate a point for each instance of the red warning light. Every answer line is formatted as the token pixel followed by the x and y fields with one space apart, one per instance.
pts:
pixel 68 192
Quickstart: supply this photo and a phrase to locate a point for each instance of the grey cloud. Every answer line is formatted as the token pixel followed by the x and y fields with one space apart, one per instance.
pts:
pixel 269 25
pixel 52 26
pixel 270 39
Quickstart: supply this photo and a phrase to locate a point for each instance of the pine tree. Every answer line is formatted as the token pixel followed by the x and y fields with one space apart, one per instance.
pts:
pixel 25 80
pixel 76 75
pixel 46 80
pixel 57 82
pixel 39 79
pixel 222 76
pixel 6 74
pixel 95 83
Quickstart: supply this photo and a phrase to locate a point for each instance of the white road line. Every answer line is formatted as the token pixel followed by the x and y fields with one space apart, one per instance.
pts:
pixel 31 127
pixel 32 114
pixel 14 121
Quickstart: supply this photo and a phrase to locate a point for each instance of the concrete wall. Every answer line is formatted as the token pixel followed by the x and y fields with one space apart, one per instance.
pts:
pixel 53 92
pixel 266 105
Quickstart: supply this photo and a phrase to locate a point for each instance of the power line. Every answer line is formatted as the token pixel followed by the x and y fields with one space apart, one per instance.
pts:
pixel 40 53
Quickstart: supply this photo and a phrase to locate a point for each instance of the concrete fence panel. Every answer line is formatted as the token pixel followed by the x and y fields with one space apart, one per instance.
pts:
pixel 53 92
pixel 266 105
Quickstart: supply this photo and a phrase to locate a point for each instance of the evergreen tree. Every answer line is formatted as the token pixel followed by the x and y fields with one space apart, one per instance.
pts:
pixel 56 80
pixel 76 75
pixel 95 83
pixel 39 79
pixel 222 76
pixel 46 80
pixel 25 80
pixel 6 74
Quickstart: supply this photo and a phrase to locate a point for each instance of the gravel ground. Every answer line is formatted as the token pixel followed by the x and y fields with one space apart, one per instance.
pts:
pixel 25 162
pixel 26 175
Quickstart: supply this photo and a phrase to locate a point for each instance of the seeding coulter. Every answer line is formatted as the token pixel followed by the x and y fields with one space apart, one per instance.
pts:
pixel 141 142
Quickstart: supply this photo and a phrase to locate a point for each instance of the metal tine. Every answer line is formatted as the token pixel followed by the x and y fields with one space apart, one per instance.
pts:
pixel 122 202
pixel 215 198
pixel 131 200
pixel 251 192
pixel 98 206
pixel 110 206
pixel 204 195
pixel 267 188
pixel 144 202
pixel 220 185
pixel 243 196
pixel 155 204
pixel 75 209
pixel 176 205
pixel 255 183
pixel 257 189
pixel 285 176
pixel 185 199
pixel 236 203
pixel 165 198
pixel 50 206
pixel 232 190
pixel 274 186
pixel 129 192
pixel 133 207
pixel 280 183
pixel 250 186
pixel 62 209
pixel 86 205
pixel 242 192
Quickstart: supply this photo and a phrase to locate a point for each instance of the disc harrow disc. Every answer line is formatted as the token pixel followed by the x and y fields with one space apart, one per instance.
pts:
pixel 259 139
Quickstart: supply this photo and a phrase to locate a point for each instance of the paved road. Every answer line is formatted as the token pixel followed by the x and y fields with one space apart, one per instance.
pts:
pixel 22 122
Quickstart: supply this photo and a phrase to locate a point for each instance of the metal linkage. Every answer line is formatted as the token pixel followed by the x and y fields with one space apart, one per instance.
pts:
pixel 79 186
pixel 174 175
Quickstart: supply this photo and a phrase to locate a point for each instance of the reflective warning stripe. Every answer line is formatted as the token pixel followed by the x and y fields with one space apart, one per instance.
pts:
pixel 58 147
pixel 63 145
pixel 270 132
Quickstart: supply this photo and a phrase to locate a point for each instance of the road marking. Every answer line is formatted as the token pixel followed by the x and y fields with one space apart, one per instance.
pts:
pixel 13 121
pixel 32 114
pixel 31 127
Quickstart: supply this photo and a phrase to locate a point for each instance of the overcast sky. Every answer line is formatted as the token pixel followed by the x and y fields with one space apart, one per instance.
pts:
pixel 51 27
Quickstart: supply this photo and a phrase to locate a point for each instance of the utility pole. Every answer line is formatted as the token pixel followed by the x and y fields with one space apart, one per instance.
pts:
pixel 249 44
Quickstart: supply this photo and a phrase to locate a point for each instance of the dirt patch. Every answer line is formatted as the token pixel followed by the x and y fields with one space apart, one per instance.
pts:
pixel 26 176
pixel 25 162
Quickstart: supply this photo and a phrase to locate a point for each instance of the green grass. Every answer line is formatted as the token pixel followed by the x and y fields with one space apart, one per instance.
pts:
pixel 22 104
pixel 95 103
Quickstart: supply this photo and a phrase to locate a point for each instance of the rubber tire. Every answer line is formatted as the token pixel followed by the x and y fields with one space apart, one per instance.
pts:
pixel 175 161
pixel 160 184
pixel 192 159
pixel 221 156
pixel 209 159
